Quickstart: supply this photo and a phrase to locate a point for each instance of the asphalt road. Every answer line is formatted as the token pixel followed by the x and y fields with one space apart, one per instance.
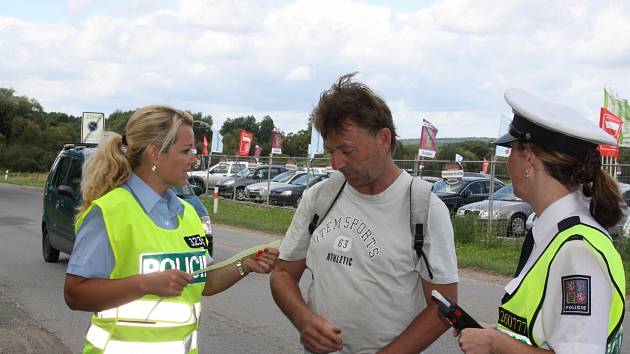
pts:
pixel 35 319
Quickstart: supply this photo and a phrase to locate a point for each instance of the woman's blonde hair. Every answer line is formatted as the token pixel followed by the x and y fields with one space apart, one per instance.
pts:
pixel 114 159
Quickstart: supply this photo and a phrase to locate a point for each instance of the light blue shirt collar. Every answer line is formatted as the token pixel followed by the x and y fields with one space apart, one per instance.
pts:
pixel 149 198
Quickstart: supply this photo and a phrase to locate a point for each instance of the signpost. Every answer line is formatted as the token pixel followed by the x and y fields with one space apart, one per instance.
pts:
pixel 92 127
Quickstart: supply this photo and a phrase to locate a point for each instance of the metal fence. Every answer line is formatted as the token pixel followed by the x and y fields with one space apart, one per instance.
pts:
pixel 492 218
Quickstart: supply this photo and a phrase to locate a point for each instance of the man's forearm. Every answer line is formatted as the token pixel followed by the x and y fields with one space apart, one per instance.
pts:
pixel 428 325
pixel 420 334
pixel 286 293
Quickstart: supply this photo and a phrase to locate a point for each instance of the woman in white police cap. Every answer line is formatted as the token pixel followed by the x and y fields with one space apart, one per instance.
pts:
pixel 568 293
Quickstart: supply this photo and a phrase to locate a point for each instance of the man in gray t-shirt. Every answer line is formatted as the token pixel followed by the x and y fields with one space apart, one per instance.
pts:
pixel 369 291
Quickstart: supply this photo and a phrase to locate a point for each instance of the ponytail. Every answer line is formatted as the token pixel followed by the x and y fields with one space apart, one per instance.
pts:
pixel 606 201
pixel 104 170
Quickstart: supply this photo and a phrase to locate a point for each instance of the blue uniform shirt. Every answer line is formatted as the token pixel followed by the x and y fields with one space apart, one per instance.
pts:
pixel 92 255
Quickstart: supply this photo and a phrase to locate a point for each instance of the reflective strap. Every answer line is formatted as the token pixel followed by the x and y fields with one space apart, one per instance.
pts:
pixel 99 338
pixel 149 312
pixel 518 337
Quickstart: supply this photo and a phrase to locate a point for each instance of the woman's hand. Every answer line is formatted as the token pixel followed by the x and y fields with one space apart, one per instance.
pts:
pixel 167 283
pixel 262 262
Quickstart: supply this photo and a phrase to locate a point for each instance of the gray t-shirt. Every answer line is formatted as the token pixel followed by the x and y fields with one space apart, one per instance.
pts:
pixel 366 274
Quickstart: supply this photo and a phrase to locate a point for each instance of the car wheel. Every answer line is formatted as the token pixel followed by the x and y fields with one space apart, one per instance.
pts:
pixel 197 182
pixel 240 193
pixel 516 227
pixel 51 255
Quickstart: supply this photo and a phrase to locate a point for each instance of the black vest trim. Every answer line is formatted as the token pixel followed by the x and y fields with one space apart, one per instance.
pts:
pixel 568 222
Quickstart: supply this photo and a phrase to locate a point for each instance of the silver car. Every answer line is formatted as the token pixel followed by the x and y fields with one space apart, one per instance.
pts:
pixel 509 212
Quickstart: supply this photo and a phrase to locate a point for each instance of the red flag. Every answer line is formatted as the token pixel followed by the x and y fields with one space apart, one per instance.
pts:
pixel 612 125
pixel 204 150
pixel 245 143
pixel 276 142
pixel 428 141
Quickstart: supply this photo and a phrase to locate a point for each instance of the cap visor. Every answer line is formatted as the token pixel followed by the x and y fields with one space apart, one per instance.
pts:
pixel 505 140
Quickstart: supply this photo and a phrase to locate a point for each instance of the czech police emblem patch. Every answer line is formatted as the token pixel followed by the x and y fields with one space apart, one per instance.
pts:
pixel 576 295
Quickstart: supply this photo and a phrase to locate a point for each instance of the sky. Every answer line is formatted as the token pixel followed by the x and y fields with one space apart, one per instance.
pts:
pixel 447 61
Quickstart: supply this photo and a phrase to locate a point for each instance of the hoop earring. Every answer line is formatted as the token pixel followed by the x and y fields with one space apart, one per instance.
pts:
pixel 527 173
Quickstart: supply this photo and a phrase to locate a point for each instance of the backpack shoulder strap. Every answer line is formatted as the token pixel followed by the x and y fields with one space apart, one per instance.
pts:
pixel 325 198
pixel 419 198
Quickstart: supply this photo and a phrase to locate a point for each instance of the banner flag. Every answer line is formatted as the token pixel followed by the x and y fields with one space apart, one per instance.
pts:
pixel 620 108
pixel 317 143
pixel 428 140
pixel 504 126
pixel 217 142
pixel 277 138
pixel 485 165
pixel 257 151
pixel 204 146
pixel 612 125
pixel 245 143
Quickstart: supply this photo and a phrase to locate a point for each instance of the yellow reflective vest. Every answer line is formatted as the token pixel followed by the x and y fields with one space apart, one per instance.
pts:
pixel 150 324
pixel 520 309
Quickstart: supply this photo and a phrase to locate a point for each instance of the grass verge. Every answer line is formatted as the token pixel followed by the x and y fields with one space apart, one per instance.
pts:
pixel 25 179
pixel 251 216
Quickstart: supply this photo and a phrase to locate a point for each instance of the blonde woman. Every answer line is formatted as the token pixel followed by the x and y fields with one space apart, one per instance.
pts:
pixel 137 243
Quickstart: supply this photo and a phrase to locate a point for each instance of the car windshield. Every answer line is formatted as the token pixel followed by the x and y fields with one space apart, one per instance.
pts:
pixel 301 179
pixel 442 186
pixel 183 191
pixel 505 193
pixel 283 177
pixel 243 173
pixel 220 168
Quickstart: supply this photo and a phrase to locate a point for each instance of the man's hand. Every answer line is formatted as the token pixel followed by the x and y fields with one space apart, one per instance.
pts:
pixel 167 283
pixel 320 336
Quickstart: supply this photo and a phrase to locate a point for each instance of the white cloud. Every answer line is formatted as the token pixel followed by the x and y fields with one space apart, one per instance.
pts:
pixel 448 62
pixel 78 6
pixel 300 73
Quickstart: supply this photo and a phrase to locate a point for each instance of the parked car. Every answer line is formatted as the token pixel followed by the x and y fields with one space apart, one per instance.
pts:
pixel 464 190
pixel 62 197
pixel 290 193
pixel 509 212
pixel 207 179
pixel 257 192
pixel 235 185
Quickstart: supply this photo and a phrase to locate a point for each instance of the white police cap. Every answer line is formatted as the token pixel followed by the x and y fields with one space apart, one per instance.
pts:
pixel 551 126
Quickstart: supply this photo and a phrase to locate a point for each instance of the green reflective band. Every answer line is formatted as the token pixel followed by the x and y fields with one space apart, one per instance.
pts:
pixel 188 262
pixel 240 255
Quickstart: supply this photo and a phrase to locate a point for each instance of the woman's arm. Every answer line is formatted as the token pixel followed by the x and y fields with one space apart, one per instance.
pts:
pixel 492 341
pixel 93 294
pixel 222 278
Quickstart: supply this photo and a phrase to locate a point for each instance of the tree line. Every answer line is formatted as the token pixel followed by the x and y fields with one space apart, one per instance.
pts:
pixel 30 138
